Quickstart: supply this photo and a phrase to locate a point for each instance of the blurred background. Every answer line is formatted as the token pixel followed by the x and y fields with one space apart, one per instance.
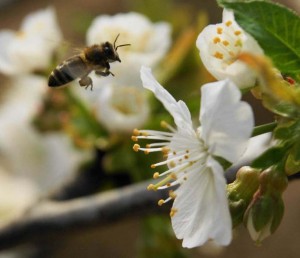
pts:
pixel 55 146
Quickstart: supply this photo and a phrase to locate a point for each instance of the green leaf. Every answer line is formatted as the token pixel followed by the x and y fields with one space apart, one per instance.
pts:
pixel 288 131
pixel 292 164
pixel 270 157
pixel 276 28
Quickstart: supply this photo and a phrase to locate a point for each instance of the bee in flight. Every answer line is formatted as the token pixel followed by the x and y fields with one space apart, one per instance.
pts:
pixel 94 58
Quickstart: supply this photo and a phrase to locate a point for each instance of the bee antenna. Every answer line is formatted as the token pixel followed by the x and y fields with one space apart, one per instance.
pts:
pixel 122 46
pixel 116 41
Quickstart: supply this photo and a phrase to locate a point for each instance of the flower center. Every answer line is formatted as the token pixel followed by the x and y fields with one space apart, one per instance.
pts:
pixel 227 43
pixel 127 100
pixel 182 155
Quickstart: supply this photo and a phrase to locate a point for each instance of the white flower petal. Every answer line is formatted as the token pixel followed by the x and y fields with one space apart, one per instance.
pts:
pixel 202 208
pixel 227 122
pixel 178 110
pixel 22 100
pixel 7 37
pixel 256 146
pixel 59 161
pixel 30 48
pixel 227 15
pixel 43 23
pixel 121 109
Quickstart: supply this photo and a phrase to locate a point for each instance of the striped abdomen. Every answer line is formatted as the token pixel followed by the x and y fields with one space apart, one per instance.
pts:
pixel 68 71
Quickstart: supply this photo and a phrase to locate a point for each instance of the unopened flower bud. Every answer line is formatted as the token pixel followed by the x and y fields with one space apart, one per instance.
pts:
pixel 240 192
pixel 265 212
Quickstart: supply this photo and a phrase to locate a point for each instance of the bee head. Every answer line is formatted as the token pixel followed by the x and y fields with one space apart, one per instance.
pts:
pixel 111 50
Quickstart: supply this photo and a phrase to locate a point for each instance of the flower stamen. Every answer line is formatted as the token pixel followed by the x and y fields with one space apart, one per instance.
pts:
pixel 228 23
pixel 173 212
pixel 165 125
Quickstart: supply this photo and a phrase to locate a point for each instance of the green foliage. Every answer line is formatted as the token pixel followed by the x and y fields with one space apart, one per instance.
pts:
pixel 270 157
pixel 276 28
pixel 288 131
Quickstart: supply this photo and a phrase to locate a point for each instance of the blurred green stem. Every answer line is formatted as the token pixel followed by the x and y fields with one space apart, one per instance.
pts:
pixel 261 129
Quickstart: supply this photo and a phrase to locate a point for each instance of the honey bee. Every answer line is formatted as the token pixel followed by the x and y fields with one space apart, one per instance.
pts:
pixel 94 58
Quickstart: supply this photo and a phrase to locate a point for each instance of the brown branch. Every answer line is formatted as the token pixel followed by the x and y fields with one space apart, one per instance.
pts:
pixel 48 217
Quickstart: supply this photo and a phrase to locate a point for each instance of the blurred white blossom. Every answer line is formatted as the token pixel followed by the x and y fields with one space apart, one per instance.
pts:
pixel 121 109
pixel 32 164
pixel 149 42
pixel 200 210
pixel 31 47
pixel 220 46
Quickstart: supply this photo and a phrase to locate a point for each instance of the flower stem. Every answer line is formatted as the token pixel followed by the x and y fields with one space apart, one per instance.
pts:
pixel 261 129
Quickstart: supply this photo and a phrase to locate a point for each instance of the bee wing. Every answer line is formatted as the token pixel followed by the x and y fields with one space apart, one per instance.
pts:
pixel 69 70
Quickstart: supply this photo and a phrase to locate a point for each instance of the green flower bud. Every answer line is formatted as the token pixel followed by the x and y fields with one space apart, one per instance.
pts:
pixel 265 211
pixel 240 192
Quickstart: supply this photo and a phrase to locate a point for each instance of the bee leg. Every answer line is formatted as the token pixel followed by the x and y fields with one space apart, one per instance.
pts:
pixel 86 82
pixel 104 73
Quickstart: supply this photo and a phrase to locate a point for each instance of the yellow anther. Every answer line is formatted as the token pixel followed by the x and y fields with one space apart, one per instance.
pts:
pixel 146 152
pixel 136 132
pixel 172 164
pixel 237 32
pixel 219 30
pixel 156 175
pixel 165 150
pixel 225 43
pixel 150 187
pixel 161 202
pixel 163 124
pixel 186 156
pixel 172 194
pixel 20 34
pixel 238 43
pixel 153 166
pixel 218 55
pixel 134 138
pixel 173 176
pixel 173 212
pixel 228 23
pixel 231 53
pixel 136 147
pixel 216 40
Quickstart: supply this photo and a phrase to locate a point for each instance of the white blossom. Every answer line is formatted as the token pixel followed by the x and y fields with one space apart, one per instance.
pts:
pixel 200 210
pixel 121 108
pixel 31 163
pixel 31 47
pixel 220 46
